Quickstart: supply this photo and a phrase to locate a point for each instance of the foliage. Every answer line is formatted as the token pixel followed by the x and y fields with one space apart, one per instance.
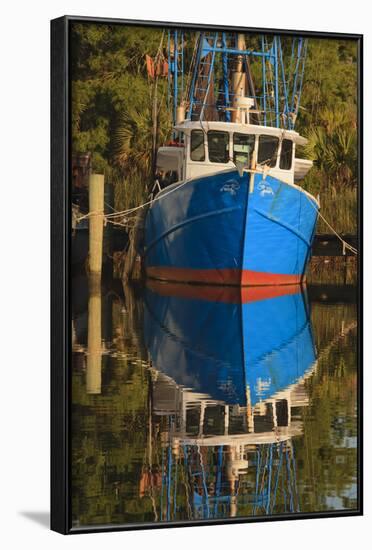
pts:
pixel 113 108
pixel 329 82
pixel 112 99
pixel 334 153
pixel 134 137
pixel 328 119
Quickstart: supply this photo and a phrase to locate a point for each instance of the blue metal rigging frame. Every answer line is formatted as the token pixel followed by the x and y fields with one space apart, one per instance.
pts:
pixel 273 463
pixel 282 75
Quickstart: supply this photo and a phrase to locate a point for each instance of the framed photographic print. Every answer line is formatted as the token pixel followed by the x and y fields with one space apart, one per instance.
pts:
pixel 206 274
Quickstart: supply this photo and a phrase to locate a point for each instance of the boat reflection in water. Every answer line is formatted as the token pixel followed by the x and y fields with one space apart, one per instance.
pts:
pixel 228 370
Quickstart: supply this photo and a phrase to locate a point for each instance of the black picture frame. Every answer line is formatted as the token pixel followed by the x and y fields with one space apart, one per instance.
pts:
pixel 61 277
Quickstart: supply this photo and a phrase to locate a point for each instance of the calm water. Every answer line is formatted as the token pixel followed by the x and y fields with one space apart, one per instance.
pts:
pixel 199 403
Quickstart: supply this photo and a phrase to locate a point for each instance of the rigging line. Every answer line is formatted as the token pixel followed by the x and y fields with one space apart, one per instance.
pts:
pixel 210 77
pixel 159 51
pixel 279 466
pixel 186 481
pixel 193 59
pixel 109 206
pixel 204 479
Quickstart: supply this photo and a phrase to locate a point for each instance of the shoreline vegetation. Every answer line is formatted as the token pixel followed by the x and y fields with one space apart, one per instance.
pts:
pixel 113 114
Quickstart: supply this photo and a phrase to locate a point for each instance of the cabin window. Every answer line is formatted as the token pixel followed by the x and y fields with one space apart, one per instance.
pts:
pixel 197 151
pixel 268 150
pixel 286 155
pixel 243 148
pixel 218 146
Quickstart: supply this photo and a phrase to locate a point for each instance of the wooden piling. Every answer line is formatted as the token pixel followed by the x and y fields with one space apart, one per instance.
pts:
pixel 96 210
pixel 94 356
pixel 132 266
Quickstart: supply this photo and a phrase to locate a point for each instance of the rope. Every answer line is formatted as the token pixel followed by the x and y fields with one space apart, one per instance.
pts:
pixel 131 210
pixel 125 223
pixel 345 244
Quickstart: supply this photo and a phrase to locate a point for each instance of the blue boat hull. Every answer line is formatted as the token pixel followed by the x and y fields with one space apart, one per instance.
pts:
pixel 213 230
pixel 229 346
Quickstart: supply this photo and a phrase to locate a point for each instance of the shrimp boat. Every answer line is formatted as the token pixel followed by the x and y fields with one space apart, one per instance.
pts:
pixel 229 210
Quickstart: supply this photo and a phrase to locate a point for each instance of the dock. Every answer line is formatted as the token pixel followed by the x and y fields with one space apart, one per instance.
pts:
pixel 328 244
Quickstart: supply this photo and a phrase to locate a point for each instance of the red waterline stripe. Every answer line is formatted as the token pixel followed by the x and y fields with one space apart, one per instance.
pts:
pixel 216 293
pixel 239 277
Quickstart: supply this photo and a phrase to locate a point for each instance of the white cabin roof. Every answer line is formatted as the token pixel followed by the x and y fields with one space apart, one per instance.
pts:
pixel 206 125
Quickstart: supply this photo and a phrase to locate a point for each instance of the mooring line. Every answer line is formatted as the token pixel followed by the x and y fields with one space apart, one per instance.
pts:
pixel 345 244
pixel 131 210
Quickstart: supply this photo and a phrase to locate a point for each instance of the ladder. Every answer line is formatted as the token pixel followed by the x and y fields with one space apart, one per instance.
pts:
pixel 203 75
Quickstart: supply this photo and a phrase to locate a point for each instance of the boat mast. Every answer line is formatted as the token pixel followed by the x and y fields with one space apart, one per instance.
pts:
pixel 238 78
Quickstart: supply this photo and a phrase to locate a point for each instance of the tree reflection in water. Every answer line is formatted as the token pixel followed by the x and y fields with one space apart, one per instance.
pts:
pixel 211 405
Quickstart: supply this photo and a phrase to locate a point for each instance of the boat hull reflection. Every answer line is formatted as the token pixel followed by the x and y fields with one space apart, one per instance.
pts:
pixel 228 373
pixel 235 346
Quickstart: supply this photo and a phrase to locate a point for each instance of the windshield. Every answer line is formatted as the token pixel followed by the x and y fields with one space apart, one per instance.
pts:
pixel 243 146
pixel 286 155
pixel 197 152
pixel 218 146
pixel 267 150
